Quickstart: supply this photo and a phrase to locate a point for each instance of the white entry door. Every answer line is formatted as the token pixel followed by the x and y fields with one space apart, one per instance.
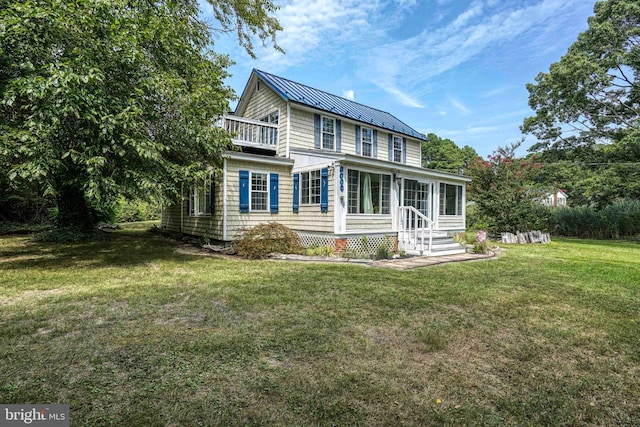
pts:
pixel 419 194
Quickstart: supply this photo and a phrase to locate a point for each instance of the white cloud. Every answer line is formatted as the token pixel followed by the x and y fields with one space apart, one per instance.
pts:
pixel 459 105
pixel 403 98
pixel 349 94
pixel 411 62
pixel 322 29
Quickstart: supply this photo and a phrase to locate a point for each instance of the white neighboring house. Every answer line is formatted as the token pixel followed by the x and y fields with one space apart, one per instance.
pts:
pixel 555 199
pixel 339 173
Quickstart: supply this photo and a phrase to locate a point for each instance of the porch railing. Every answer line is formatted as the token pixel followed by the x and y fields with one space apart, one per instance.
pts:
pixel 413 227
pixel 252 133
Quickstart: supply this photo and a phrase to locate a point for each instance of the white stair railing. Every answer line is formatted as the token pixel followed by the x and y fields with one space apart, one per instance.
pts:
pixel 413 225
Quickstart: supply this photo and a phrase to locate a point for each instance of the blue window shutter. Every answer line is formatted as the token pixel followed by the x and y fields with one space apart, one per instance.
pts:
pixel 375 144
pixel 390 148
pixel 316 130
pixel 404 150
pixel 338 135
pixel 296 192
pixel 324 190
pixel 273 193
pixel 244 191
pixel 358 141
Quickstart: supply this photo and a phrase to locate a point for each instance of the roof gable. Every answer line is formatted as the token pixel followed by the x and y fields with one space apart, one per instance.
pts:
pixel 324 101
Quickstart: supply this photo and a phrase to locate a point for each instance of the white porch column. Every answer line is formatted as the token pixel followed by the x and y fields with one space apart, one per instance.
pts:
pixel 340 198
pixel 396 200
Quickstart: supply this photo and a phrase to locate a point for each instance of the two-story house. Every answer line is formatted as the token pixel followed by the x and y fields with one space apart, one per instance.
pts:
pixel 337 172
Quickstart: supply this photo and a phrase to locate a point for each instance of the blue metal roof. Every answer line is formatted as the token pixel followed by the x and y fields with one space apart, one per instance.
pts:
pixel 320 100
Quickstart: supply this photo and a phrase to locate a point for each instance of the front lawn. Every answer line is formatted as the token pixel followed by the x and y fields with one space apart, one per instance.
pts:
pixel 131 332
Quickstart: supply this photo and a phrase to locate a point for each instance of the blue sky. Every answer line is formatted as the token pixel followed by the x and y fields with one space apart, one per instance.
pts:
pixel 457 68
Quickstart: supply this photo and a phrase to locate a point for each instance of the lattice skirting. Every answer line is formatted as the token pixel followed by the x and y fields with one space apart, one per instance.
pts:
pixel 309 240
pixel 361 245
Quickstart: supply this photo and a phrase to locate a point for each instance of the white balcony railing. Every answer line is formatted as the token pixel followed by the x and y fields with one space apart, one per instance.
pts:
pixel 251 133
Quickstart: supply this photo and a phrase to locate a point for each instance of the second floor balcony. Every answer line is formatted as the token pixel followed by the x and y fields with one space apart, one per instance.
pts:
pixel 251 133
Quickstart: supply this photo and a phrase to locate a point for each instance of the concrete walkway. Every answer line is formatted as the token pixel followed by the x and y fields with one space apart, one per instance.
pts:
pixel 423 261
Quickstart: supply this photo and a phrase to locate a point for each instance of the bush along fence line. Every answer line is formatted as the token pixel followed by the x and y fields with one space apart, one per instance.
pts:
pixel 527 237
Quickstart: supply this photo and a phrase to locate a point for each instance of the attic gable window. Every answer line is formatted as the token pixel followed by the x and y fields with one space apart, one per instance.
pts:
pixel 328 133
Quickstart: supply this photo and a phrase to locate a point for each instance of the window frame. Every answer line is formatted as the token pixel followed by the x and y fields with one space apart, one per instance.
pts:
pixel 354 194
pixel 270 135
pixel 252 191
pixel 368 143
pixel 398 151
pixel 311 184
pixel 202 206
pixel 444 199
pixel 331 134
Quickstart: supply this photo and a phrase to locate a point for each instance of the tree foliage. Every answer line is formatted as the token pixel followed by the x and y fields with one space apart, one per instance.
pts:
pixel 592 94
pixel 587 109
pixel 504 192
pixel 106 98
pixel 443 154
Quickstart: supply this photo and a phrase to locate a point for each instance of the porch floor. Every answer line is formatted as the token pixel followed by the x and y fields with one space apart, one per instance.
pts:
pixel 423 261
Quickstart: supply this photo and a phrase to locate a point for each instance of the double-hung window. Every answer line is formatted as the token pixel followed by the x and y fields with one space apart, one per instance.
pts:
pixel 200 198
pixel 259 191
pixel 397 149
pixel 367 142
pixel 328 133
pixel 368 193
pixel 310 188
pixel 450 199
pixel 269 135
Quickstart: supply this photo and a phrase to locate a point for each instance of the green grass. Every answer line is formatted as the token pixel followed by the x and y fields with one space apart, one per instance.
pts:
pixel 130 332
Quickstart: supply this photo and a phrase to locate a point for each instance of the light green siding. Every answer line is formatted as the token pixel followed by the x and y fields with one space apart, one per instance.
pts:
pixel 370 223
pixel 302 129
pixel 265 101
pixel 176 218
pixel 237 221
pixel 453 222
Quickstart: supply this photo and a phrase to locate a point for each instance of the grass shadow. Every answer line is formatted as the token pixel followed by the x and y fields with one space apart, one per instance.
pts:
pixel 124 248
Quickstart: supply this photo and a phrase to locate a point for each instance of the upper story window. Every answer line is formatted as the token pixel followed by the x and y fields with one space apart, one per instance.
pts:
pixel 310 188
pixel 328 133
pixel 367 142
pixel 259 191
pixel 200 198
pixel 450 199
pixel 397 149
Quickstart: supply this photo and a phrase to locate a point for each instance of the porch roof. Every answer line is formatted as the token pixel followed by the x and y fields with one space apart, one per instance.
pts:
pixel 349 159
pixel 333 104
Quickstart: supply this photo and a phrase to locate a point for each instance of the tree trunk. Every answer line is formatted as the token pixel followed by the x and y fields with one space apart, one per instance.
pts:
pixel 73 210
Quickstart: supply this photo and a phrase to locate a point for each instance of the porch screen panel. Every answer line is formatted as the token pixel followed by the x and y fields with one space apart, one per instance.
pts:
pixel 450 199
pixel 352 191
pixel 385 196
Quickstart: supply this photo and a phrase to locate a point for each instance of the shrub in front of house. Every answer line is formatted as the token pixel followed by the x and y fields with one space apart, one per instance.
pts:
pixel 264 239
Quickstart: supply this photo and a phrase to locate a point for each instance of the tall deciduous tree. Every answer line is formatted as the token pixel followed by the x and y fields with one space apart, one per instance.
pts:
pixel 587 107
pixel 443 154
pixel 103 98
pixel 592 95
